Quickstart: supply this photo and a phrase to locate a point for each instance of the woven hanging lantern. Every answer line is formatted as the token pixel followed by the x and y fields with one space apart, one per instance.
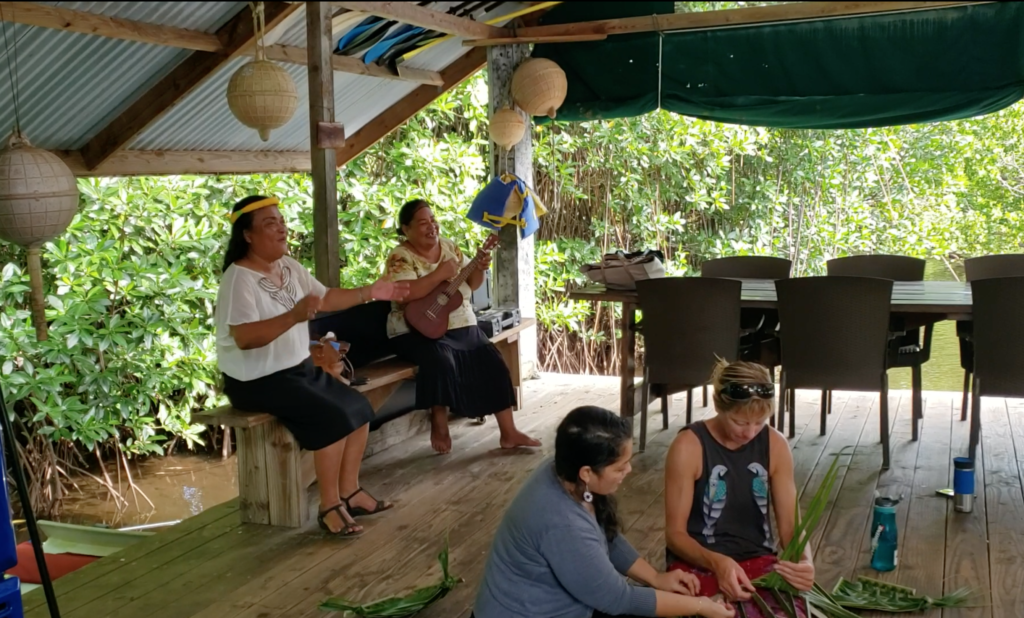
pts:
pixel 539 87
pixel 38 199
pixel 507 128
pixel 261 94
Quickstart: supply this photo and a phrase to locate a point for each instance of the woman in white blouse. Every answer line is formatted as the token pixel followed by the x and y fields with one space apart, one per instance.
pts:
pixel 264 302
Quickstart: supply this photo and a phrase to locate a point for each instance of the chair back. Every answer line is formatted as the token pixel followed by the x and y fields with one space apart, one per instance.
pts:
pixel 998 336
pixel 834 331
pixel 687 322
pixel 892 267
pixel 747 267
pixel 993 266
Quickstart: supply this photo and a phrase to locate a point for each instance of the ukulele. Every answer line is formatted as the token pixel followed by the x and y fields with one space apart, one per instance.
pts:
pixel 429 315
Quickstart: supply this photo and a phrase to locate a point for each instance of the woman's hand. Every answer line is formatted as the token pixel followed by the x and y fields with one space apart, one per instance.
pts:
pixel 799 575
pixel 731 578
pixel 483 262
pixel 306 308
pixel 447 270
pixel 715 609
pixel 383 289
pixel 677 581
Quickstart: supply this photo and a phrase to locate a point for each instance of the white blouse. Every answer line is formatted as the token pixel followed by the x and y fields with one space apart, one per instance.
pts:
pixel 247 296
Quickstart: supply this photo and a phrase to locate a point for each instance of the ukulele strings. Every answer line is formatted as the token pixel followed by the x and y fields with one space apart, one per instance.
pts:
pixel 455 283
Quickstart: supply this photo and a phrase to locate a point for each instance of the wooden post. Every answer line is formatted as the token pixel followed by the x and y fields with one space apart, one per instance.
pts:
pixel 513 260
pixel 324 169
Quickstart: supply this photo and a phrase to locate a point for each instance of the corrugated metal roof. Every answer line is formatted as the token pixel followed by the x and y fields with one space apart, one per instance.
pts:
pixel 72 85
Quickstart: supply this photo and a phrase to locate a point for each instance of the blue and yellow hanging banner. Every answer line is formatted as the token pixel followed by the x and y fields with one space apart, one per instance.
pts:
pixel 506 200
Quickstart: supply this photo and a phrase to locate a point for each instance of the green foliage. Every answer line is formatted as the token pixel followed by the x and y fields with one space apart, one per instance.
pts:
pixel 131 286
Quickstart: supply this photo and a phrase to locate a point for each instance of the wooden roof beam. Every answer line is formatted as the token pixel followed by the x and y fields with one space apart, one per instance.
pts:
pixel 67 20
pixel 354 66
pixel 55 18
pixel 779 13
pixel 396 115
pixel 237 37
pixel 415 15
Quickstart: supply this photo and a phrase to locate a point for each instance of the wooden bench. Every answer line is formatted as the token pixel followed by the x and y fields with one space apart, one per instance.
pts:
pixel 276 477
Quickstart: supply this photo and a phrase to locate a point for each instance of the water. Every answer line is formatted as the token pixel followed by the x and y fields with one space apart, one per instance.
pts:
pixel 180 486
pixel 942 372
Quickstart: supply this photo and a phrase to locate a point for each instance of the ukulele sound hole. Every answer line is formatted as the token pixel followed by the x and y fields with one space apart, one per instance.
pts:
pixel 442 299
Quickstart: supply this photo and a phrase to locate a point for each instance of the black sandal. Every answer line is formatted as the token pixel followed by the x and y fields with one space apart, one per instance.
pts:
pixel 349 531
pixel 358 511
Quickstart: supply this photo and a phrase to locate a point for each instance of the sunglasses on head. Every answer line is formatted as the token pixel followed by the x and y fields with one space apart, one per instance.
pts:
pixel 739 392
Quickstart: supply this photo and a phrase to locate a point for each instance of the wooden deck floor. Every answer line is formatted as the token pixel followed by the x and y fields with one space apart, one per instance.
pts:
pixel 211 566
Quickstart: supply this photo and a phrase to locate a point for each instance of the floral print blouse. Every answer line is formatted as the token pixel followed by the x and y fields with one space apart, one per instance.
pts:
pixel 405 265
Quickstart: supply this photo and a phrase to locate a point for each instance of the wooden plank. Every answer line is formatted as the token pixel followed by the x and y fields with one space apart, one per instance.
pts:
pixel 1004 505
pixel 324 168
pixel 923 541
pixel 413 476
pixel 829 554
pixel 400 112
pixel 509 348
pixel 285 490
pixel 414 15
pixel 252 475
pixel 897 482
pixel 168 587
pixel 90 582
pixel 524 324
pixel 67 20
pixel 383 373
pixel 236 36
pixel 967 543
pixel 726 18
pixel 172 163
pixel 519 40
pixel 227 416
pixel 355 66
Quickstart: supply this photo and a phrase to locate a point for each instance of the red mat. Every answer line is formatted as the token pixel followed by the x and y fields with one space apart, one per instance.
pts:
pixel 58 565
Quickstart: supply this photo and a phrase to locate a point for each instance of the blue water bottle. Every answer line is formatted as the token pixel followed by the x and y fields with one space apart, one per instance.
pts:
pixel 963 484
pixel 883 535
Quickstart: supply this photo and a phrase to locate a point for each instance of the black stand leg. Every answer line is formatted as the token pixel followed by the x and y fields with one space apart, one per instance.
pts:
pixel 26 506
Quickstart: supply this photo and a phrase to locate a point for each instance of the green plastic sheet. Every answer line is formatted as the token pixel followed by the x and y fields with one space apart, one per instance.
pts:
pixel 844 73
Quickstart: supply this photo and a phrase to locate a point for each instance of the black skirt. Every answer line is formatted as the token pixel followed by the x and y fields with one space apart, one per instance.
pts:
pixel 462 371
pixel 315 407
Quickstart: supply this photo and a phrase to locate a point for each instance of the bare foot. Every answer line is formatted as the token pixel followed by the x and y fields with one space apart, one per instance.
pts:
pixel 440 438
pixel 518 439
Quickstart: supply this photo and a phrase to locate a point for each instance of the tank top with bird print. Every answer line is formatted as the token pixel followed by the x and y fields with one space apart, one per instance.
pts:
pixel 730 515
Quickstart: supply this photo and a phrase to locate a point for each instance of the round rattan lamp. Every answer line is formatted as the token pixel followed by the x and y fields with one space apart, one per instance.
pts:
pixel 507 127
pixel 262 96
pixel 38 199
pixel 539 87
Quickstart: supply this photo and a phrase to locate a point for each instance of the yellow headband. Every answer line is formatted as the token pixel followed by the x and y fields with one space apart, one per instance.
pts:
pixel 270 201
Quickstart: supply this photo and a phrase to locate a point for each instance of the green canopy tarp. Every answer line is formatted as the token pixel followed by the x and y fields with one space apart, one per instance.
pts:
pixel 843 73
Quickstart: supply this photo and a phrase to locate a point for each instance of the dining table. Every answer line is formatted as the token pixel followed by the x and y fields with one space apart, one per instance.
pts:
pixel 925 301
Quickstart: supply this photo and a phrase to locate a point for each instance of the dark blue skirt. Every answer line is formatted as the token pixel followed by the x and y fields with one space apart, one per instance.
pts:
pixel 462 371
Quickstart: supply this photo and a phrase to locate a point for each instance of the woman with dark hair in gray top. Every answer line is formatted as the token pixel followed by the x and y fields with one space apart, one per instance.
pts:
pixel 558 552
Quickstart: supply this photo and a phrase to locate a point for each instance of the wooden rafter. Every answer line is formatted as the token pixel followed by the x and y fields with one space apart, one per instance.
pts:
pixel 354 66
pixel 81 22
pixel 794 11
pixel 162 163
pixel 235 36
pixel 415 15
pixel 44 16
pixel 396 115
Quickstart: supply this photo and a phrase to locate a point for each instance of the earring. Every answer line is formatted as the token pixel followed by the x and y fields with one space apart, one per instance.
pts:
pixel 587 496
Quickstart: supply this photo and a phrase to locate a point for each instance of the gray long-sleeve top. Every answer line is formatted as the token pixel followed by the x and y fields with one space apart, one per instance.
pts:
pixel 550 559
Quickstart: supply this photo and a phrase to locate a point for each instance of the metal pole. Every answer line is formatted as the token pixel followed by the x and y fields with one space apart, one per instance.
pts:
pixel 26 506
